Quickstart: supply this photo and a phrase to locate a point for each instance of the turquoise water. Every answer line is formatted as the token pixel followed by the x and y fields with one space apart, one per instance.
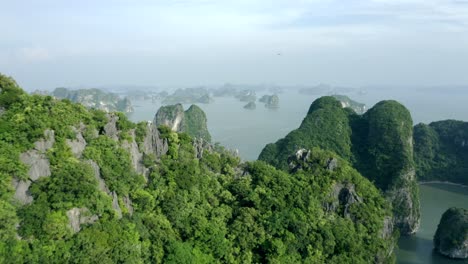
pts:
pixel 250 130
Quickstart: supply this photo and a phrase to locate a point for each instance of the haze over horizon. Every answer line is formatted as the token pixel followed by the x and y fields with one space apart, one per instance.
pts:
pixel 53 43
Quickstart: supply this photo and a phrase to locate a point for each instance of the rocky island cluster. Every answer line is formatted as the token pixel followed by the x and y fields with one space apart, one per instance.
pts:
pixel 82 184
pixel 95 98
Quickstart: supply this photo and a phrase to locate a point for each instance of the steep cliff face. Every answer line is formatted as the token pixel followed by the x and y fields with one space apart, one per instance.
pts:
pixel 379 144
pixel 389 151
pixel 441 151
pixel 193 121
pixel 451 237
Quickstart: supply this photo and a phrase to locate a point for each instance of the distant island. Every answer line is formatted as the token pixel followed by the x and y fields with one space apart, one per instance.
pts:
pixel 271 101
pixel 95 98
pixel 198 95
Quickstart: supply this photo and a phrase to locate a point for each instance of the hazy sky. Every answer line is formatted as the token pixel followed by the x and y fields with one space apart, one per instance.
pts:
pixel 50 43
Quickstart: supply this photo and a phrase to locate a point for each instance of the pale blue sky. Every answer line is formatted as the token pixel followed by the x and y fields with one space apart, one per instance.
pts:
pixel 50 43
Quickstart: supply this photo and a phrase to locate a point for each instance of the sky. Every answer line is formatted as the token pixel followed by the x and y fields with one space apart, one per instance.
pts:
pixel 52 43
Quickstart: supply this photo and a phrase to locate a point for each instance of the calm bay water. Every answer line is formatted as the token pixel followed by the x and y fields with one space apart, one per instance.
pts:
pixel 435 199
pixel 250 130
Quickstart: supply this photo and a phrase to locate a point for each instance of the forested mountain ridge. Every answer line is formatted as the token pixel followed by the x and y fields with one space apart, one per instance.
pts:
pixel 99 188
pixel 378 144
pixel 441 151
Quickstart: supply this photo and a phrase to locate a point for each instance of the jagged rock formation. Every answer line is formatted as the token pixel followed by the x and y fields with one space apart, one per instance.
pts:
pixel 110 129
pixel 451 237
pixel 22 194
pixel 193 121
pixel 250 106
pixel 379 144
pixel 77 145
pixel 359 108
pixel 39 166
pixel 95 98
pixel 441 151
pixel 271 101
pixel 80 216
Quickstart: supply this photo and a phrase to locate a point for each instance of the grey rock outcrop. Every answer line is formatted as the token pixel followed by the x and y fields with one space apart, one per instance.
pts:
pixel 128 204
pixel 80 216
pixel 193 121
pixel 77 145
pixel 97 174
pixel 152 143
pixel 36 159
pixel 343 196
pixel 22 194
pixel 201 146
pixel 171 116
pixel 110 129
pixel 135 155
pixel 116 206
pixel 451 237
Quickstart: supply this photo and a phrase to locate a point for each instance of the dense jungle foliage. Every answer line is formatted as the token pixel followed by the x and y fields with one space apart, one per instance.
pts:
pixel 185 209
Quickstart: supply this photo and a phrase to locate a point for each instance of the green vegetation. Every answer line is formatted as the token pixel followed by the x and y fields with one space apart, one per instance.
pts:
pixel 378 144
pixel 193 121
pixel 185 210
pixel 441 151
pixel 451 237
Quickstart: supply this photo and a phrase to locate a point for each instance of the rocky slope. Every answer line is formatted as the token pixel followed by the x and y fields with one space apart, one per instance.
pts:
pixel 451 237
pixel 378 144
pixel 193 121
pixel 99 188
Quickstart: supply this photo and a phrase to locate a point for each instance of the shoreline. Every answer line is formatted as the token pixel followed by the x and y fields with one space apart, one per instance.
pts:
pixel 442 182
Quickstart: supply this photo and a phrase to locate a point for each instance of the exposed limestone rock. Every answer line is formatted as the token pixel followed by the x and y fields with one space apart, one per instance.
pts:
pixel 97 175
pixel 301 160
pixel 403 200
pixel 39 165
pixel 387 230
pixel 200 146
pixel 343 196
pixel 22 191
pixel 79 216
pixel 170 116
pixel 110 129
pixel 2 110
pixel 135 155
pixel 332 164
pixel 115 205
pixel 193 121
pixel 79 144
pixel 128 204
pixel 153 144
pixel 45 143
